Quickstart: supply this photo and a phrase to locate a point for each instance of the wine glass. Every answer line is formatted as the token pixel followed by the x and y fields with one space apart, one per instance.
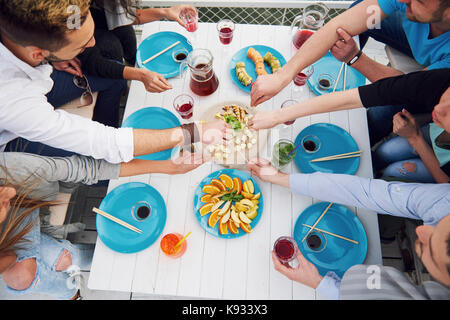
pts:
pixel 225 28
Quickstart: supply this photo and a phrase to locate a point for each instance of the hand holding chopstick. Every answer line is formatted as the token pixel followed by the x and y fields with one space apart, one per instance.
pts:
pixel 116 220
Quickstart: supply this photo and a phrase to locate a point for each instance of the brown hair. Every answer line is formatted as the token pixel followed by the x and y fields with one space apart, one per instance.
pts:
pixel 41 23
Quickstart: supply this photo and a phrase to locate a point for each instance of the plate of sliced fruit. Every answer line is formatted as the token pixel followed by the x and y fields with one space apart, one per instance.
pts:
pixel 252 61
pixel 228 203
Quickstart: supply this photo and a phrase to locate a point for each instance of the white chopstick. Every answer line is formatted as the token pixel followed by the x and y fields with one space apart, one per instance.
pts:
pixel 345 77
pixel 161 52
pixel 116 220
pixel 339 76
pixel 332 234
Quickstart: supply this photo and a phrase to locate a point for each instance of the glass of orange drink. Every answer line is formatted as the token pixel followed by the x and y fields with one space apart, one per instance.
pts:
pixel 168 245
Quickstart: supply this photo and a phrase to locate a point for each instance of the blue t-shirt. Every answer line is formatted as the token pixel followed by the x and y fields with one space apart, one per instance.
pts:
pixel 432 53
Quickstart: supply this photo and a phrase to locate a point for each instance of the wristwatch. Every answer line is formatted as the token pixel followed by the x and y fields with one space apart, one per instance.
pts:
pixel 355 58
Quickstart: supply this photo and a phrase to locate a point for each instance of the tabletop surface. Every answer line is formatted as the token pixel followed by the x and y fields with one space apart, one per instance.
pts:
pixel 212 267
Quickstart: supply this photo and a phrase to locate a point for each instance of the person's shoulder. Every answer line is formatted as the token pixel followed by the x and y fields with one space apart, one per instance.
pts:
pixel 390 6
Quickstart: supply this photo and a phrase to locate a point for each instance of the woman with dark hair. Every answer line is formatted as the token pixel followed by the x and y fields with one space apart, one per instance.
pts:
pixel 31 260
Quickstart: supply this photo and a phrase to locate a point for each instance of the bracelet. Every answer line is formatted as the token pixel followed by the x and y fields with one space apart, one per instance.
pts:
pixel 190 133
pixel 355 58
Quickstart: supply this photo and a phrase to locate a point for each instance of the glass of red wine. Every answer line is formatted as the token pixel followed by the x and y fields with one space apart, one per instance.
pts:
pixel 184 104
pixel 285 104
pixel 225 27
pixel 286 250
pixel 301 79
pixel 190 18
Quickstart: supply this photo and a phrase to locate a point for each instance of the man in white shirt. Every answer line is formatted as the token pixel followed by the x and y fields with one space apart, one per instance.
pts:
pixel 33 32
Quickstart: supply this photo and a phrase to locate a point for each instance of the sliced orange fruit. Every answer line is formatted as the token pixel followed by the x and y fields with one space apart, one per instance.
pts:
pixel 208 188
pixel 223 228
pixel 226 179
pixel 237 185
pixel 205 209
pixel 206 198
pixel 213 218
pixel 246 227
pixel 219 184
pixel 232 226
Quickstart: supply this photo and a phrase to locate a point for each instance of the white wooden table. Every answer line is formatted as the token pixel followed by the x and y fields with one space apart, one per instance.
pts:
pixel 212 267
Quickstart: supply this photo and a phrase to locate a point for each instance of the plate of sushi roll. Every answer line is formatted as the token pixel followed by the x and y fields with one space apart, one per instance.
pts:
pixel 252 61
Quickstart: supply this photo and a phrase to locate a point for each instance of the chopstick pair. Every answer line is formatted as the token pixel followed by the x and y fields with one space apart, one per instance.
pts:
pixel 317 221
pixel 116 220
pixel 339 76
pixel 339 156
pixel 161 52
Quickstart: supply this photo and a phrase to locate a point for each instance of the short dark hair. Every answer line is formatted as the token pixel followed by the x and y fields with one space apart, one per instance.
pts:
pixel 40 23
pixel 444 4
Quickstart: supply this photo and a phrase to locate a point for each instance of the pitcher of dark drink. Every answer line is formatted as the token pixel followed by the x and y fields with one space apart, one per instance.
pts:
pixel 304 26
pixel 203 78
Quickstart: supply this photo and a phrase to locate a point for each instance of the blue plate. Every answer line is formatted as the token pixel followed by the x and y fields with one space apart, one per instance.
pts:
pixel 122 202
pixel 241 56
pixel 330 65
pixel 163 64
pixel 204 220
pixel 333 140
pixel 337 254
pixel 153 118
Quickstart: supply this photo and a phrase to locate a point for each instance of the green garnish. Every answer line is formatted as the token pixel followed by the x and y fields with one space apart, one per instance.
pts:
pixel 234 123
pixel 232 196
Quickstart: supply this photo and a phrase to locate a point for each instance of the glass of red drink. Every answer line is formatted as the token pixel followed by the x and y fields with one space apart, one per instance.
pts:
pixel 301 79
pixel 225 27
pixel 190 19
pixel 184 104
pixel 286 250
pixel 285 104
pixel 169 245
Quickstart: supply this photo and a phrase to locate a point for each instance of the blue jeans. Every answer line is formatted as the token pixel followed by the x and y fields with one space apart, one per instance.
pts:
pixel 393 155
pixel 106 109
pixel 379 119
pixel 46 251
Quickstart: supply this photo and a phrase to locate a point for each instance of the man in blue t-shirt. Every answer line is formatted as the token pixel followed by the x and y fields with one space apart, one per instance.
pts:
pixel 424 26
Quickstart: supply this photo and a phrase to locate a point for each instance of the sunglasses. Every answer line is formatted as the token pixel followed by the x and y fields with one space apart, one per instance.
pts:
pixel 86 98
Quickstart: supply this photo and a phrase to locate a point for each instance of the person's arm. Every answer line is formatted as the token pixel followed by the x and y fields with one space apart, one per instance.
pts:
pixel 405 126
pixel 345 49
pixel 7 259
pixel 353 20
pixel 342 100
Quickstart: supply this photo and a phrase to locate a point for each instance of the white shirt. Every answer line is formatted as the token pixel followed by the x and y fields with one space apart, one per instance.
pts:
pixel 25 112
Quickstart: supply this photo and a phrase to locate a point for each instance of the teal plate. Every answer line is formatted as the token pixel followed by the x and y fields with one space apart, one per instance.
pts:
pixel 153 118
pixel 336 254
pixel 241 56
pixel 330 65
pixel 333 140
pixel 122 202
pixel 164 63
pixel 243 176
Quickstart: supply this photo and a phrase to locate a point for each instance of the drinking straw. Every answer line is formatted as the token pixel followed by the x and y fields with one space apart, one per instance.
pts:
pixel 181 241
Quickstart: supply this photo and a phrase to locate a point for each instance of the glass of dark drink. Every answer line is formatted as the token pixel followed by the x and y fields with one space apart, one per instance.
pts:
pixel 286 250
pixel 310 143
pixel 285 104
pixel 225 27
pixel 325 82
pixel 180 55
pixel 184 104
pixel 316 241
pixel 301 79
pixel 141 210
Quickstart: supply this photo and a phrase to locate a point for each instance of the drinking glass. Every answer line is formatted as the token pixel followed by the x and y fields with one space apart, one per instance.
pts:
pixel 280 155
pixel 316 241
pixel 184 105
pixel 286 250
pixel 310 143
pixel 301 79
pixel 168 243
pixel 190 18
pixel 225 28
pixel 285 104
pixel 325 82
